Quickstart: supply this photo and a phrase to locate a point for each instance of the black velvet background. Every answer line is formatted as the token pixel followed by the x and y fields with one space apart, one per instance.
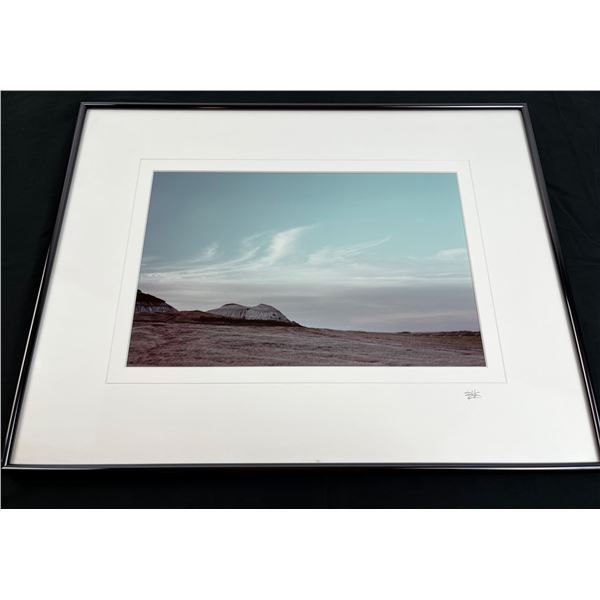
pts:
pixel 37 130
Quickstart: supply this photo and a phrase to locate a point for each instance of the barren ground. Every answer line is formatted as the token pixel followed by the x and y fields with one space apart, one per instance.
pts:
pixel 156 342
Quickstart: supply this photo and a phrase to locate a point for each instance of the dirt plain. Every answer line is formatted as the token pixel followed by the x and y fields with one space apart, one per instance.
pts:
pixel 196 339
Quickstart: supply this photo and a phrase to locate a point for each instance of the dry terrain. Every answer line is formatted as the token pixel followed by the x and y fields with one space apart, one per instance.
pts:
pixel 200 339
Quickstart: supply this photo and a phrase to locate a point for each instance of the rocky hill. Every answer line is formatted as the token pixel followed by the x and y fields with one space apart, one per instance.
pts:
pixel 146 303
pixel 150 309
pixel 260 312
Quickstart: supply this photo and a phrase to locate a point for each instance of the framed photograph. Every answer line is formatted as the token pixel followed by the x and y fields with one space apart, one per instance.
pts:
pixel 302 285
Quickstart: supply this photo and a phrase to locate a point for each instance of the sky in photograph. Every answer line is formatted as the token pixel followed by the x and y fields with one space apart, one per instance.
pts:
pixel 357 251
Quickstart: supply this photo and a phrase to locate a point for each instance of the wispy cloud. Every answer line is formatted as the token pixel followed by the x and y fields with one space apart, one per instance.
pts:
pixel 332 255
pixel 256 252
pixel 452 254
pixel 282 244
pixel 276 257
pixel 208 253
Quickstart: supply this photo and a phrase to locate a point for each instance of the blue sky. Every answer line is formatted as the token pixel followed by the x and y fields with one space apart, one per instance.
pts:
pixel 366 251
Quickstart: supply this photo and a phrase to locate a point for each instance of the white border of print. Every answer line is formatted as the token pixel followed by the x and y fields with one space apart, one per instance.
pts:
pixel 119 372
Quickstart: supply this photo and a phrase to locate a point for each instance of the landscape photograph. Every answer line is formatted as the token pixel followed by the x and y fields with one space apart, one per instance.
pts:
pixel 305 269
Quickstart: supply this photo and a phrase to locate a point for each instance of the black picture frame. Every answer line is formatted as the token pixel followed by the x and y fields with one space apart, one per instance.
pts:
pixel 566 287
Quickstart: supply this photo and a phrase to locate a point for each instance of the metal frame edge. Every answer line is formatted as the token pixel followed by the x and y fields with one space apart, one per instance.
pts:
pixel 49 262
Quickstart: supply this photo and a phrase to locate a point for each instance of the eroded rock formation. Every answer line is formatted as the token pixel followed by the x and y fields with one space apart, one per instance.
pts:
pixel 260 312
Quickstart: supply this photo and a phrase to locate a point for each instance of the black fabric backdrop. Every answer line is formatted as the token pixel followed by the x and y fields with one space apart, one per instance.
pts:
pixel 37 130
